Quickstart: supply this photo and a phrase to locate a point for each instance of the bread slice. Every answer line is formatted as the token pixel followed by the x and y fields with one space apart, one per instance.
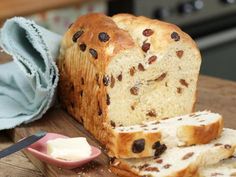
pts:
pixel 108 75
pixel 225 168
pixel 153 137
pixel 178 161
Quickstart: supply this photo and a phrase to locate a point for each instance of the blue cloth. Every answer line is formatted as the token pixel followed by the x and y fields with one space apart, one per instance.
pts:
pixel 28 83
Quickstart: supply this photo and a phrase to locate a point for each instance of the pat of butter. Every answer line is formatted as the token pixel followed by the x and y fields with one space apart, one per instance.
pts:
pixel 70 149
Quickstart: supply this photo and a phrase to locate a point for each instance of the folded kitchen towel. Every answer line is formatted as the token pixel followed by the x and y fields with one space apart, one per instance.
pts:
pixel 28 83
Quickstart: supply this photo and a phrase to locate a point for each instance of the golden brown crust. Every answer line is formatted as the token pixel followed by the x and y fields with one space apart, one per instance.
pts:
pixel 77 66
pixel 120 145
pixel 200 134
pixel 93 24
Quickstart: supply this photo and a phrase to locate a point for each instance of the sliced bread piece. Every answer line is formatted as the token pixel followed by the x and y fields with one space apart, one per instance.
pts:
pixel 154 137
pixel 179 161
pixel 225 168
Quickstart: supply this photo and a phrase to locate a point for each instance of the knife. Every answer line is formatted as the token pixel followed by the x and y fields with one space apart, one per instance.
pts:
pixel 22 144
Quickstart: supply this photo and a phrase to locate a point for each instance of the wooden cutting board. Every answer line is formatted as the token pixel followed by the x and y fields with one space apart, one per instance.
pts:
pixel 213 94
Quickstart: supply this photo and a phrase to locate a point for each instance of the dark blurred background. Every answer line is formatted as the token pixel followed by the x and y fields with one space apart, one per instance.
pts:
pixel 212 23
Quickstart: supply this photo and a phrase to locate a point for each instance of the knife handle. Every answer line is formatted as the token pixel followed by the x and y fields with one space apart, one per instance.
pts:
pixel 22 144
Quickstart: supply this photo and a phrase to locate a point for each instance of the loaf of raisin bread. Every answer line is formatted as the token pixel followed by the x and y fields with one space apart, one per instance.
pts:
pixel 153 137
pixel 179 161
pixel 225 168
pixel 125 70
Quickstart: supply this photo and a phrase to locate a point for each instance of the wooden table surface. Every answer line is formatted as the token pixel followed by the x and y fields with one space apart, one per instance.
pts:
pixel 213 94
pixel 16 165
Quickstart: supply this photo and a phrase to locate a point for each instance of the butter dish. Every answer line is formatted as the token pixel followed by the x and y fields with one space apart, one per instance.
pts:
pixel 39 150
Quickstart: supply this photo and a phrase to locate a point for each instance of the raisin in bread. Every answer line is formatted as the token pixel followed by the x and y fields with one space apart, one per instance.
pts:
pixel 179 161
pixel 110 74
pixel 224 168
pixel 153 137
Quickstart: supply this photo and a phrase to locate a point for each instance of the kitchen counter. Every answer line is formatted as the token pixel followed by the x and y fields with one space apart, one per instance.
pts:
pixel 213 94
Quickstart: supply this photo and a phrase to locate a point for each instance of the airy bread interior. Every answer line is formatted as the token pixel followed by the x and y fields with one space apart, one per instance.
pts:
pixel 224 168
pixel 163 87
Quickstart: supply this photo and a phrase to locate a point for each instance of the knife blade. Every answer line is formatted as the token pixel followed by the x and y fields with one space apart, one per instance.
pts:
pixel 22 144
